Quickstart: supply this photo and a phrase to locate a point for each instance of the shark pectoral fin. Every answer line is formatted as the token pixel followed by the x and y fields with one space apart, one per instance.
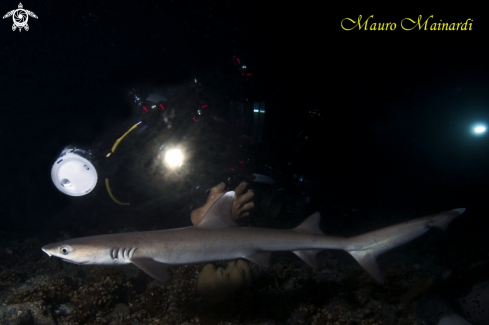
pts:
pixel 150 267
pixel 369 262
pixel 260 258
pixel 309 257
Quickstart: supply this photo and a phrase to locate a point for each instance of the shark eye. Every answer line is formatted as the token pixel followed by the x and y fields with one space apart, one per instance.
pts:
pixel 65 250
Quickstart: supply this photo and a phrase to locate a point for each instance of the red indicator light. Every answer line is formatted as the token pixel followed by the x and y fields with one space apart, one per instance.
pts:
pixel 232 169
pixel 239 61
pixel 193 118
pixel 162 106
pixel 145 109
pixel 248 74
pixel 240 162
pixel 204 106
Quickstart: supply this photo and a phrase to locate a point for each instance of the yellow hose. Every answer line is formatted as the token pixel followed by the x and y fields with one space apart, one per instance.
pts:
pixel 111 195
pixel 120 139
pixel 116 143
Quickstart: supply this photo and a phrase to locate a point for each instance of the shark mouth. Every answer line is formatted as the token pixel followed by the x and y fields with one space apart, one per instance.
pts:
pixel 78 263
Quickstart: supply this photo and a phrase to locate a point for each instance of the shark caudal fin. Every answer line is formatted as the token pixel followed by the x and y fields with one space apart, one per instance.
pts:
pixel 367 247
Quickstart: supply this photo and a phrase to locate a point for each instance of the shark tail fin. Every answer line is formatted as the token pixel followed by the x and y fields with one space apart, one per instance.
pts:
pixel 367 247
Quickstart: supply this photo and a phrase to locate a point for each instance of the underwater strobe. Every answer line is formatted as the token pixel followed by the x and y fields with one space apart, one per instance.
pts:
pixel 73 173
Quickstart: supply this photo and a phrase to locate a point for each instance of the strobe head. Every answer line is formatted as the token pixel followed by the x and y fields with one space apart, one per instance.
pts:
pixel 73 173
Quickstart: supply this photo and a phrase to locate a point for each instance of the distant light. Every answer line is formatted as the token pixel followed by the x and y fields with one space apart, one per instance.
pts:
pixel 479 129
pixel 174 158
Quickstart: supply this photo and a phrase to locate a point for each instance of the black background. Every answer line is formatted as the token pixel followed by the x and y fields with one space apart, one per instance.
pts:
pixel 393 143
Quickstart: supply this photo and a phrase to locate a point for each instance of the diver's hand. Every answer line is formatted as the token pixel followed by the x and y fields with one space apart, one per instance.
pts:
pixel 243 201
pixel 241 205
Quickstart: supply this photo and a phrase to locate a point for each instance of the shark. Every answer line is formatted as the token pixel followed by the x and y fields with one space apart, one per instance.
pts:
pixel 217 237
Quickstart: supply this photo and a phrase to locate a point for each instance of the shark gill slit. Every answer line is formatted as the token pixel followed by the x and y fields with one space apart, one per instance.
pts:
pixel 122 253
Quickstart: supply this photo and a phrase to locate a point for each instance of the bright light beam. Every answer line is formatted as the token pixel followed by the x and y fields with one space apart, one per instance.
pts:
pixel 174 158
pixel 479 129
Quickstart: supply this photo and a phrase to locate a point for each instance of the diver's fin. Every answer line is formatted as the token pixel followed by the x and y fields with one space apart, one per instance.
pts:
pixel 260 258
pixel 310 225
pixel 309 257
pixel 154 269
pixel 219 214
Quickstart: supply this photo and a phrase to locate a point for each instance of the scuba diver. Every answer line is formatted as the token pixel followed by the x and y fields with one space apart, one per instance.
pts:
pixel 179 141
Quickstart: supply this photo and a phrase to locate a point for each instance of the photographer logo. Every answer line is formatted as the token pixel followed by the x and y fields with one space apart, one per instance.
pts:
pixel 20 17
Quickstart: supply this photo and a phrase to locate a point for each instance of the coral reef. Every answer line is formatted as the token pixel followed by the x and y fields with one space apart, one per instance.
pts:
pixel 26 313
pixel 215 285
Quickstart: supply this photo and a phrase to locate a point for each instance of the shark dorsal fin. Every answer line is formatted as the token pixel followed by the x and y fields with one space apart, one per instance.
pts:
pixel 219 214
pixel 310 225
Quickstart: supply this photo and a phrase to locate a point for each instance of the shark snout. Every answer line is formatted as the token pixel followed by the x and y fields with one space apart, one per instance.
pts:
pixel 45 251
